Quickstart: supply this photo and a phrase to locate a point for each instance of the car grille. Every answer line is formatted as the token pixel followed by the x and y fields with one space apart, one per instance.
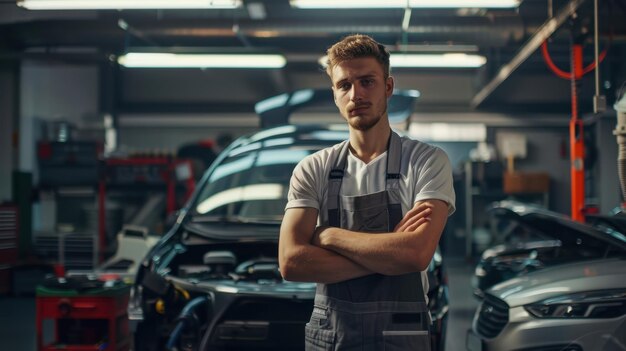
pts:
pixel 493 316
pixel 256 323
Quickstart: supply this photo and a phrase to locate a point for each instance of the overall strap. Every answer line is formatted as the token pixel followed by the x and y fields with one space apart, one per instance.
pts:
pixel 334 185
pixel 394 158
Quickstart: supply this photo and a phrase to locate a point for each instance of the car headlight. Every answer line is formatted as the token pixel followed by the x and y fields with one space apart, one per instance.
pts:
pixel 480 271
pixel 593 304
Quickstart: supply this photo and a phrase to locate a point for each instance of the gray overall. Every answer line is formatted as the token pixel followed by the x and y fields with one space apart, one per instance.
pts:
pixel 374 312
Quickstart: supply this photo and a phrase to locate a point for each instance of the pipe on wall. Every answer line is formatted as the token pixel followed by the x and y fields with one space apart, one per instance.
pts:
pixel 620 133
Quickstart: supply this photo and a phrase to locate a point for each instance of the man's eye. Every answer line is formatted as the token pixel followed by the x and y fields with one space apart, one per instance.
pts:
pixel 344 86
pixel 367 82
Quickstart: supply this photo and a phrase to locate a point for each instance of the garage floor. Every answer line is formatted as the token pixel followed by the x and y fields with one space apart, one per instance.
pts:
pixel 17 314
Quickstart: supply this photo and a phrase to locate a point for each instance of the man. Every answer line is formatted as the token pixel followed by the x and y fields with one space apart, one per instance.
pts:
pixel 364 216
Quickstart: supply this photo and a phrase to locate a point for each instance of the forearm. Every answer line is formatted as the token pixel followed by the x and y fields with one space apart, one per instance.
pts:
pixel 309 263
pixel 384 253
pixel 409 248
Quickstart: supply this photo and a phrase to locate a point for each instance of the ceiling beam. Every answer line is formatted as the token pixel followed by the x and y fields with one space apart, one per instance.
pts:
pixel 476 30
pixel 543 33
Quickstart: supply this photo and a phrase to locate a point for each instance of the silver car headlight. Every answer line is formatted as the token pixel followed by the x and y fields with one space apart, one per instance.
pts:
pixel 592 304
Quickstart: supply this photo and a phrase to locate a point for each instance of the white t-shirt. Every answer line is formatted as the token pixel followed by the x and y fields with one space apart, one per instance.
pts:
pixel 425 173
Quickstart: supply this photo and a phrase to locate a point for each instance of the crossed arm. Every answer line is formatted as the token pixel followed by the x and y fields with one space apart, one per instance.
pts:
pixel 330 255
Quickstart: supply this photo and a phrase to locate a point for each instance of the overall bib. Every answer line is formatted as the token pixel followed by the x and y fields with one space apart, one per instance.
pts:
pixel 374 312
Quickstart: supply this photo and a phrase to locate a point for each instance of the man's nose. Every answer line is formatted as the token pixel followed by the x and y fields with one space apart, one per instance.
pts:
pixel 356 93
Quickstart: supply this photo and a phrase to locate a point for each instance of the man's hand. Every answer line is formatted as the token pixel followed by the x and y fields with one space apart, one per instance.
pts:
pixel 315 239
pixel 417 216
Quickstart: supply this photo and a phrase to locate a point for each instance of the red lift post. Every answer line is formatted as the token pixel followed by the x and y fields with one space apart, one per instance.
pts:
pixel 576 137
pixel 577 144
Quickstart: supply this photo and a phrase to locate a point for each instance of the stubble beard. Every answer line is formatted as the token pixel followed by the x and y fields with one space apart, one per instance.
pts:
pixel 364 124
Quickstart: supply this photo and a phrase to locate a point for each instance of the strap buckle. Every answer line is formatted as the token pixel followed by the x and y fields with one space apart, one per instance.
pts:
pixel 336 174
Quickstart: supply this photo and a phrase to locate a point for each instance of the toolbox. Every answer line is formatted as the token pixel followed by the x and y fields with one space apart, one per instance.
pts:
pixel 86 314
pixel 526 182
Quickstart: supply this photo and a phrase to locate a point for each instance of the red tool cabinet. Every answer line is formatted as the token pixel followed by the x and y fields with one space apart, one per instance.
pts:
pixel 91 320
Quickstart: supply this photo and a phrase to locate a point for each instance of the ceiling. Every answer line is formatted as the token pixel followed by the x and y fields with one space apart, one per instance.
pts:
pixel 503 36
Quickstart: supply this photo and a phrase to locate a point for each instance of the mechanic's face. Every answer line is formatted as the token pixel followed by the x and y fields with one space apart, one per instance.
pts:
pixel 361 92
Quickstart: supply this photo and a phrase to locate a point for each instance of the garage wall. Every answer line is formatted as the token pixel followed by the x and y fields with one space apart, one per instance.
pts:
pixel 7 115
pixel 545 154
pixel 52 92
pixel 170 131
pixel 605 173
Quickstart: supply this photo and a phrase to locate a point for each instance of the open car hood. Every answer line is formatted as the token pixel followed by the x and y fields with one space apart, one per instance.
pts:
pixel 235 231
pixel 555 225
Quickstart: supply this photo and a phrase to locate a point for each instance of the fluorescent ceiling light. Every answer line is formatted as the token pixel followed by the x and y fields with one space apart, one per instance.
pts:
pixel 448 131
pixel 170 60
pixel 348 4
pixel 436 60
pixel 449 60
pixel 432 48
pixel 127 4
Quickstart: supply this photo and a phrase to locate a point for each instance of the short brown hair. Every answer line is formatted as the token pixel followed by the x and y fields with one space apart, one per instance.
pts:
pixel 357 46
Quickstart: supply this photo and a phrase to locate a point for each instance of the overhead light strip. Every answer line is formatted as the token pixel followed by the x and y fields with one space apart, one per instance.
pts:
pixel 127 4
pixel 349 4
pixel 455 60
pixel 170 60
pixel 446 60
pixel 448 131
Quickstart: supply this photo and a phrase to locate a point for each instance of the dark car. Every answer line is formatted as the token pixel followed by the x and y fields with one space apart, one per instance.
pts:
pixel 213 283
pixel 535 238
pixel 615 221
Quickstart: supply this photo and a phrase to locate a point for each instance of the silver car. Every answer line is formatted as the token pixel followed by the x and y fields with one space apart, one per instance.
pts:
pixel 574 307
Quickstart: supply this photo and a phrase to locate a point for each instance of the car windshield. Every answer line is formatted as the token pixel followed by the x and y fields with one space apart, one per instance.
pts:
pixel 250 185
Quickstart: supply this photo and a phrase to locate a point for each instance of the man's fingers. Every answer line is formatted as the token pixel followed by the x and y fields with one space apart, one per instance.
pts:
pixel 315 239
pixel 421 207
pixel 421 210
pixel 409 221
pixel 413 224
pixel 413 227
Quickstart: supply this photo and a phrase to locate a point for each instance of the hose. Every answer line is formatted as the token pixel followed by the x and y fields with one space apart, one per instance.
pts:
pixel 567 75
pixel 184 319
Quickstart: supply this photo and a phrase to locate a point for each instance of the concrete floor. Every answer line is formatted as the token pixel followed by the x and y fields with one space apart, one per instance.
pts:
pixel 17 314
pixel 462 302
pixel 17 324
